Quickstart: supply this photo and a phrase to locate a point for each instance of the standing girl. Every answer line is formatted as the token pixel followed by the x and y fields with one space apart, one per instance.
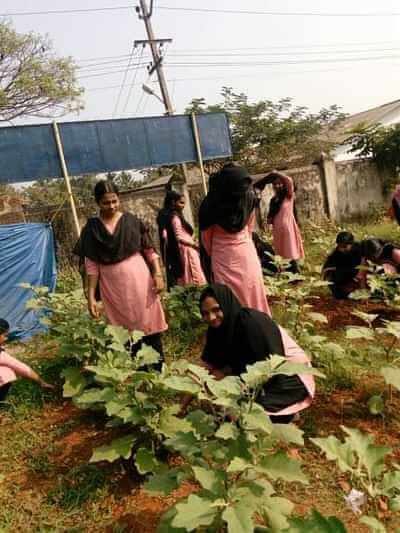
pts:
pixel 178 249
pixel 120 257
pixel 287 241
pixel 226 220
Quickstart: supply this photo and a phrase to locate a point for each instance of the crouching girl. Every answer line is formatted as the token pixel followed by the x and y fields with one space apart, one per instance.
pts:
pixel 239 336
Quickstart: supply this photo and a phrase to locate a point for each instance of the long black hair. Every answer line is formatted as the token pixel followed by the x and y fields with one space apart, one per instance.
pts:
pixel 103 187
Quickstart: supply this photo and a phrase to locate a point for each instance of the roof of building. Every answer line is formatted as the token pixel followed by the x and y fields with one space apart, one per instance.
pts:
pixel 367 118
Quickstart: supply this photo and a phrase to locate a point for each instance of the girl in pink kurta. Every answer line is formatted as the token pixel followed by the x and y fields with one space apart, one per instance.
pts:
pixel 287 241
pixel 178 248
pixel 226 222
pixel 120 258
pixel 11 368
pixel 238 337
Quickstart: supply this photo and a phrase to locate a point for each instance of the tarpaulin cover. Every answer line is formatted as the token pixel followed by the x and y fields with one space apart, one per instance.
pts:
pixel 29 153
pixel 27 255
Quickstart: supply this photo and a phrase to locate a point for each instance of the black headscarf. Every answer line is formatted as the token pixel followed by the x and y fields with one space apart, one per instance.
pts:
pixel 245 336
pixel 230 200
pixel 170 252
pixel 129 237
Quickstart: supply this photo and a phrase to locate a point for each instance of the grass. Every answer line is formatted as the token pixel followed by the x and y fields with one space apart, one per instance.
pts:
pixel 47 484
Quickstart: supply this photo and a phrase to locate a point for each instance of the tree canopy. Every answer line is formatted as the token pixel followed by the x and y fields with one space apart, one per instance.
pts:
pixel 381 143
pixel 33 81
pixel 269 134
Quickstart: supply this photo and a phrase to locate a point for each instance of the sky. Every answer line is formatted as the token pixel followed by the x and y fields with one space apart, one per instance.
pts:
pixel 351 61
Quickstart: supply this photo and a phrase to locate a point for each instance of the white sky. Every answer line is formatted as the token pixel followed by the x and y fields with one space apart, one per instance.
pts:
pixel 353 85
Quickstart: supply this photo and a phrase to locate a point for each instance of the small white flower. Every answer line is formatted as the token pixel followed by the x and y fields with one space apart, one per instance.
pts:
pixel 355 500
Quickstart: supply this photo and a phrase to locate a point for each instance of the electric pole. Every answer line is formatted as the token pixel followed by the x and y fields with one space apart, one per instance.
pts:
pixel 157 59
pixel 145 15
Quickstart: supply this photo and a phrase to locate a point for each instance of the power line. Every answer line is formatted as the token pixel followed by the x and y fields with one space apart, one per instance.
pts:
pixel 246 64
pixel 288 62
pixel 108 72
pixel 213 78
pixel 64 11
pixel 133 51
pixel 277 13
pixel 204 10
pixel 271 47
pixel 132 84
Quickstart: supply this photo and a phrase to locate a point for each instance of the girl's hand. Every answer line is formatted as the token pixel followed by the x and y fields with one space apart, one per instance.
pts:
pixel 93 309
pixel 158 283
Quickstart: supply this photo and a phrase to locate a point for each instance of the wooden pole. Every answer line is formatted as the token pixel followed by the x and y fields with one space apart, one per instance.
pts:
pixel 64 168
pixel 198 150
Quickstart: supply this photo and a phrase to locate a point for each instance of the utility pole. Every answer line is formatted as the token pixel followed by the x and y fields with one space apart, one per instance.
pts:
pixel 157 59
pixel 145 15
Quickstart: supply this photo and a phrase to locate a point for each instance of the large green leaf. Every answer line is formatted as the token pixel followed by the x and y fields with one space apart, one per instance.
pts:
pixel 182 384
pixel 391 375
pixel 257 419
pixel 195 512
pixel 210 480
pixel 371 456
pixel 146 461
pixel 75 382
pixel 185 443
pixel 390 482
pixel 277 511
pixel 280 466
pixel 359 332
pixel 165 525
pixel 336 451
pixel 146 356
pixel 163 483
pixel 169 424
pixel 373 523
pixel 116 405
pixel 238 465
pixel 119 335
pixel 202 423
pixel 96 395
pixel 239 518
pixel 118 448
pixel 316 523
pixel 227 431
pixel 288 433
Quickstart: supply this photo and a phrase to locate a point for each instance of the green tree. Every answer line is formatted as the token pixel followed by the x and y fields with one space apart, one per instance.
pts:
pixel 382 144
pixel 53 192
pixel 268 134
pixel 33 81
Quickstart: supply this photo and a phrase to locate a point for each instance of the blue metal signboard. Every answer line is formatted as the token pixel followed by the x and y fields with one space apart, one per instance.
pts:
pixel 29 153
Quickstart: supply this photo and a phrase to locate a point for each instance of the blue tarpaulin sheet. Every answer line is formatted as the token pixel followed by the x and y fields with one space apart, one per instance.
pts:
pixel 28 153
pixel 27 255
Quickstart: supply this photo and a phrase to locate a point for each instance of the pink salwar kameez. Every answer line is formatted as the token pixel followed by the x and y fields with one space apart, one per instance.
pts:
pixel 234 263
pixel 287 241
pixel 192 271
pixel 128 293
pixel 295 354
pixel 11 368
